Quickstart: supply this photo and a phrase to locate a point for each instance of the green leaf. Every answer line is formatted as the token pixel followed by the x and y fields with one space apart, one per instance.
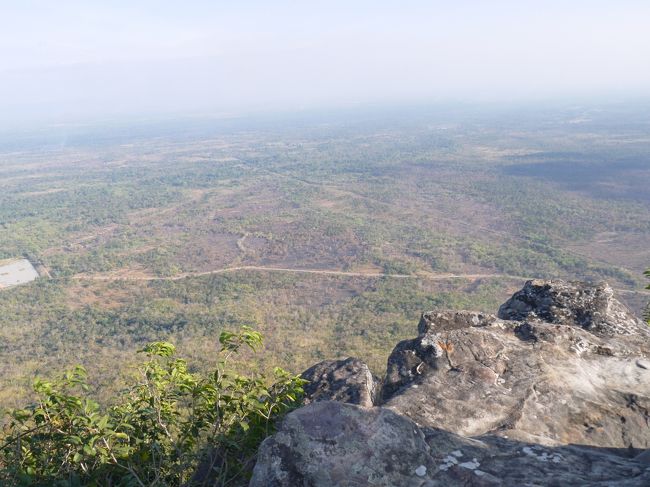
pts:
pixel 103 422
pixel 159 349
pixel 89 450
pixel 75 440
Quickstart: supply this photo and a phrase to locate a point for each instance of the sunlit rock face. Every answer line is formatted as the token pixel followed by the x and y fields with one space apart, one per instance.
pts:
pixel 557 386
pixel 591 307
pixel 563 363
pixel 330 444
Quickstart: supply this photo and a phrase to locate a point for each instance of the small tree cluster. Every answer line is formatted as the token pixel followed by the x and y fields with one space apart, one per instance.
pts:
pixel 171 427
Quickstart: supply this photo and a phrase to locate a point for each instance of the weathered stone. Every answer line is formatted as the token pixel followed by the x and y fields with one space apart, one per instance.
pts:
pixel 500 401
pixel 452 320
pixel 411 359
pixel 589 306
pixel 330 444
pixel 643 457
pixel 537 381
pixel 495 460
pixel 348 380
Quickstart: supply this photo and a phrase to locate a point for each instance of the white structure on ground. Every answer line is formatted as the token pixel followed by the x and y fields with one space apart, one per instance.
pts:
pixel 15 272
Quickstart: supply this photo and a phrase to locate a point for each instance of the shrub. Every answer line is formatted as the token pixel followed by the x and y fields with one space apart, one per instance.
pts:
pixel 171 427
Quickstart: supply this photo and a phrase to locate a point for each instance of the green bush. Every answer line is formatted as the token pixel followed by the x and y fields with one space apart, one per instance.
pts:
pixel 171 427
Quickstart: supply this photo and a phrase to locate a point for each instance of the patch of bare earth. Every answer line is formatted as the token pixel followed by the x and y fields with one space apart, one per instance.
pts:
pixel 628 250
pixel 97 295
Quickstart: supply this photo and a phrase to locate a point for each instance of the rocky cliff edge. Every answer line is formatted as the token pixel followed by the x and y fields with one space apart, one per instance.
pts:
pixel 555 390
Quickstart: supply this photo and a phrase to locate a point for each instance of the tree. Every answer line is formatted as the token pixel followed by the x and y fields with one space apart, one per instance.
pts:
pixel 172 427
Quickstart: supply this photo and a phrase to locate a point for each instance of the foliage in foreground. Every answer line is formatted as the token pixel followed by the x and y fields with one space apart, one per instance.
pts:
pixel 172 427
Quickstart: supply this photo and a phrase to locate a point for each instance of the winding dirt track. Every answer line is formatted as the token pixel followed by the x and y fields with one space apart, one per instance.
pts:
pixel 185 275
pixel 241 246
pixel 431 277
pixel 325 272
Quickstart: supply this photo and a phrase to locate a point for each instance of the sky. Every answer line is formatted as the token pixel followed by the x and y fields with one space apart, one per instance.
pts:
pixel 68 59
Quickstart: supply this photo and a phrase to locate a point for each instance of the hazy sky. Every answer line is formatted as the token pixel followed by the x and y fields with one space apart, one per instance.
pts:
pixel 66 58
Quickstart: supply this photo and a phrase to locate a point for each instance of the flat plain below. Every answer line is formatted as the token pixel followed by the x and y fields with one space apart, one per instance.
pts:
pixel 329 234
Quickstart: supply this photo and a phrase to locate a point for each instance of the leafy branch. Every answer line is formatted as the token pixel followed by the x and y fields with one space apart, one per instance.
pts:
pixel 172 427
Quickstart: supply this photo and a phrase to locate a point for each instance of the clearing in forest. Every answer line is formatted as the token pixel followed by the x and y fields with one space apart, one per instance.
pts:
pixel 14 272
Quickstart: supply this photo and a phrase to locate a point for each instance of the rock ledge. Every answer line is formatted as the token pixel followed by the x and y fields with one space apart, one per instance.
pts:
pixel 553 391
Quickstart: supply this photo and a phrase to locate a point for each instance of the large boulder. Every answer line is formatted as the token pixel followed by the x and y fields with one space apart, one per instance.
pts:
pixel 553 391
pixel 329 444
pixel 348 380
pixel 535 381
pixel 592 307
pixel 563 363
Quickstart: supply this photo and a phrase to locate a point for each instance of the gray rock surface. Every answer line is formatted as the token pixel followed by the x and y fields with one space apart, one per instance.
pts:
pixel 335 444
pixel 348 380
pixel 577 378
pixel 564 364
pixel 330 444
pixel 592 307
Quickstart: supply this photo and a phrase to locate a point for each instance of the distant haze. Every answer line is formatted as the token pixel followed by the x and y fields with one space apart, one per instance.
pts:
pixel 68 59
